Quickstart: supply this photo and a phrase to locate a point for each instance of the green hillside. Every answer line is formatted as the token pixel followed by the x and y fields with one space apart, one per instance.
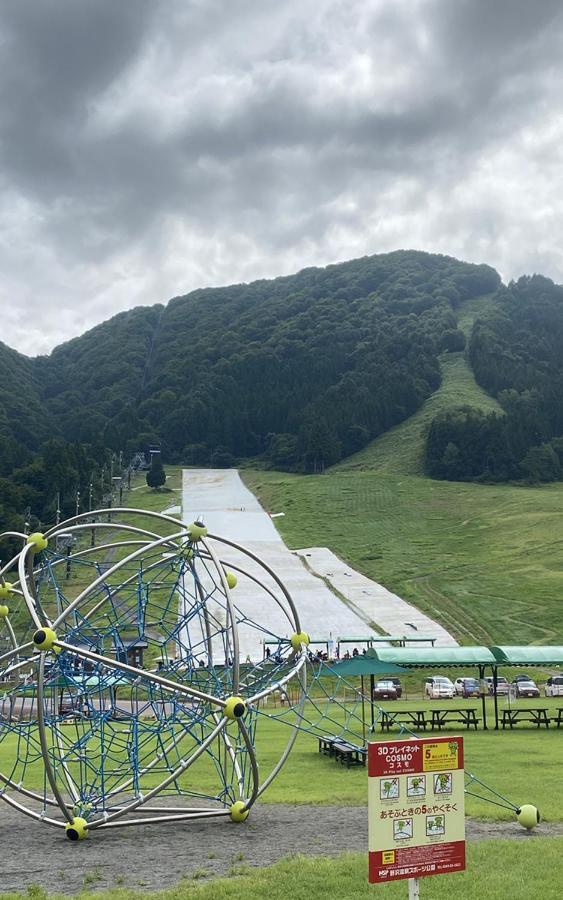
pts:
pixel 301 370
pixel 401 449
pixel 484 560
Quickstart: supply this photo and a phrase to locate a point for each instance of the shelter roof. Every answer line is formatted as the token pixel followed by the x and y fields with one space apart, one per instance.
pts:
pixel 364 665
pixel 427 657
pixel 529 656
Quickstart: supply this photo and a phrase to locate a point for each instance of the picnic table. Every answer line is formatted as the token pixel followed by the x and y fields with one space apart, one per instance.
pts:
pixel 536 715
pixel 558 719
pixel 465 715
pixel 415 718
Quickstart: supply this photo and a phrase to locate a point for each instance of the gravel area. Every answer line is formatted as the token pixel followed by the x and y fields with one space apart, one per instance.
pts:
pixel 157 856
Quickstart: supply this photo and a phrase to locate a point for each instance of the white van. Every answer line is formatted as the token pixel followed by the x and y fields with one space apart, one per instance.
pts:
pixel 554 686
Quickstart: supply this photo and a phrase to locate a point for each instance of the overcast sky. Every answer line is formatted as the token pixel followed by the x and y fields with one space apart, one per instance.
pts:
pixel 149 147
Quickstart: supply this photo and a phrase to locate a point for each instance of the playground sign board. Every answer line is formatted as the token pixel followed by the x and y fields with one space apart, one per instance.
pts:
pixel 416 808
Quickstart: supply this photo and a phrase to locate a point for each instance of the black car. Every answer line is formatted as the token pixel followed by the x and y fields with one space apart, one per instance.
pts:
pixel 398 686
pixel 525 687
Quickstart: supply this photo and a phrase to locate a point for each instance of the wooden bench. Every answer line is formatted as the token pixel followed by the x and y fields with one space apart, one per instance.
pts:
pixel 536 715
pixel 349 754
pixel 326 745
pixel 558 719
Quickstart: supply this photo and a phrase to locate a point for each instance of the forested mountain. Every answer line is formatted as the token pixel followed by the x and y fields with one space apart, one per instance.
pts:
pixel 302 369
pixel 298 371
pixel 90 381
pixel 516 351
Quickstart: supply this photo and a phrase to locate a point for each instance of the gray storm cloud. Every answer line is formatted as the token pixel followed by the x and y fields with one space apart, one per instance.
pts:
pixel 149 148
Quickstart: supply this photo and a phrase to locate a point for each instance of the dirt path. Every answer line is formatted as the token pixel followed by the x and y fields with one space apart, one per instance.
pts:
pixel 158 856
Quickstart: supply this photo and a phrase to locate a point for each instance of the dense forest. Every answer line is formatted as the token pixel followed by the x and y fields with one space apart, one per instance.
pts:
pixel 299 370
pixel 296 372
pixel 516 352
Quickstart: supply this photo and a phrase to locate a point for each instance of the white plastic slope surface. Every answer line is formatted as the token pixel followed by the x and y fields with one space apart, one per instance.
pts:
pixel 374 602
pixel 231 511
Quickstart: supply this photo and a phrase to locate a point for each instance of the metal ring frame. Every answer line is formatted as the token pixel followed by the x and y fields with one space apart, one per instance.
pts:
pixel 65 788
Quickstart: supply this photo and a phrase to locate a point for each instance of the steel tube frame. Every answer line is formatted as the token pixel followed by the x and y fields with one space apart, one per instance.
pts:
pixel 27 582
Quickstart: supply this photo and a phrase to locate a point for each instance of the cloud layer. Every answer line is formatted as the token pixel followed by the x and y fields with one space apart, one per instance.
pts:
pixel 149 148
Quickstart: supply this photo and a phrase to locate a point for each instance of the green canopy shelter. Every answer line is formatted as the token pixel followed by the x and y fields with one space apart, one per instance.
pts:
pixel 366 665
pixel 524 656
pixel 443 658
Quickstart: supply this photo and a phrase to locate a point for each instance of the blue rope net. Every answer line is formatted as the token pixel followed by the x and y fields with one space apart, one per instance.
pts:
pixel 131 704
pixel 126 716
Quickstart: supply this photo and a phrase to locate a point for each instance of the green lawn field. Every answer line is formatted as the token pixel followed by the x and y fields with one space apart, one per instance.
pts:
pixel 484 560
pixel 523 765
pixel 496 870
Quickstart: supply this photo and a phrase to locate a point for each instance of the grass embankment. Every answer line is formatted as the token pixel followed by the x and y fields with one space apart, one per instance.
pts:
pixel 401 449
pixel 522 870
pixel 485 560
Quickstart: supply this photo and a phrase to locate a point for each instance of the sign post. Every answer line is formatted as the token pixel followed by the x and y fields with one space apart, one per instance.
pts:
pixel 416 808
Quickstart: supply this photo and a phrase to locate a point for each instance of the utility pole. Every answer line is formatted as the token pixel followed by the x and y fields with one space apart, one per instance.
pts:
pixel 58 510
pixel 77 502
pixel 90 490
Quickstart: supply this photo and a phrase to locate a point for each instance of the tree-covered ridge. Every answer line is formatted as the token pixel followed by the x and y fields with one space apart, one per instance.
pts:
pixel 23 418
pixel 516 351
pixel 88 381
pixel 300 371
pixel 305 369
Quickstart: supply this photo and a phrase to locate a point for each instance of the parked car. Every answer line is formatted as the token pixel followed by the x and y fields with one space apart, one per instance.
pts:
pixel 520 678
pixel 384 690
pixel 438 687
pixel 554 686
pixel 503 686
pixel 398 686
pixel 526 688
pixel 467 687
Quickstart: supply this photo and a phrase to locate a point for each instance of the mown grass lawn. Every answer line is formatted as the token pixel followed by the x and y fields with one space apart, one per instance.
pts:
pixel 484 560
pixel 523 765
pixel 529 869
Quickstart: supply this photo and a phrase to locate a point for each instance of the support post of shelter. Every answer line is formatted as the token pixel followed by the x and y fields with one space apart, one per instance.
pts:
pixel 363 708
pixel 371 690
pixel 495 683
pixel 483 698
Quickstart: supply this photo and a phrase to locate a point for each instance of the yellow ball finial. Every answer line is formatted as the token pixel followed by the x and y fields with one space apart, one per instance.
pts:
pixel 239 813
pixel 6 590
pixel 77 830
pixel 231 579
pixel 299 639
pixel 38 541
pixel 235 708
pixel 528 816
pixel 44 638
pixel 3 611
pixel 197 530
